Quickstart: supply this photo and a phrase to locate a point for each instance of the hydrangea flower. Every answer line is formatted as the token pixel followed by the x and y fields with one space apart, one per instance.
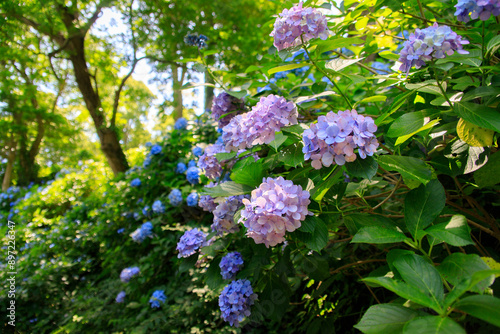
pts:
pixel 135 182
pixel 230 265
pixel 147 161
pixel 157 298
pixel 226 104
pixel 295 22
pixel 142 232
pixel 158 207
pixel 146 211
pixel 434 42
pixel 181 168
pixel 191 163
pixel 120 297
pixel 209 163
pixel 175 197
pixel 197 151
pixel 481 9
pixel 192 199
pixel 235 301
pixel 180 124
pixel 224 215
pixel 156 149
pixel 120 231
pixel 195 40
pixel 206 201
pixel 128 273
pixel 276 207
pixel 190 242
pixel 334 138
pixel 192 175
pixel 259 125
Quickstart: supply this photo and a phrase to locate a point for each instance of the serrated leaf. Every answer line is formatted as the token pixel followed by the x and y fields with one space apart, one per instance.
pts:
pixel 458 267
pixel 226 189
pixel 484 307
pixel 474 135
pixel 489 174
pixel 340 42
pixel 378 235
pixel 410 123
pixel 374 98
pixel 408 167
pixel 250 175
pixel 432 325
pixel 279 138
pixel 301 99
pixel 389 55
pixel 493 44
pixel 455 232
pixel 292 155
pixel 340 63
pixel 286 68
pixel 319 237
pixel 365 168
pixel 385 318
pixel 239 94
pixel 429 86
pixel 479 115
pixel 225 156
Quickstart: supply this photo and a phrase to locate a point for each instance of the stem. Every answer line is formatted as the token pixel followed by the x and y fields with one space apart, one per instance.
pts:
pixel 210 72
pixel 421 9
pixel 441 89
pixel 483 46
pixel 326 74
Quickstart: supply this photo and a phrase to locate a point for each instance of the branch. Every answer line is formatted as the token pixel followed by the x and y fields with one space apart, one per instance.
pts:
pixel 103 4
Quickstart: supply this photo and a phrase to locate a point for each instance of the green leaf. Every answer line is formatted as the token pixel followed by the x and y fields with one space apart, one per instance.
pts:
pixel 457 267
pixel 339 63
pixel 378 235
pixel 374 98
pixel 319 237
pixel 456 232
pixel 189 85
pixel 489 174
pixel 292 155
pixel 385 318
pixel 484 307
pixel 388 55
pixel 472 59
pixel 239 94
pixel 432 325
pixel 321 189
pixel 225 156
pixel 480 115
pixel 309 224
pixel 364 168
pixel 213 277
pixel 226 189
pixel 408 167
pixel 340 42
pixel 279 139
pixel 301 99
pixel 480 92
pixel 493 45
pixel 355 221
pixel 398 102
pixel 286 68
pixel 474 135
pixel 250 175
pixel 427 126
pixel 410 123
pixel 429 86
pixel 275 298
pixel 423 205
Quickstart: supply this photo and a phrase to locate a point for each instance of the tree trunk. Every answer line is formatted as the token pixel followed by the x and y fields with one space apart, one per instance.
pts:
pixel 209 92
pixel 176 86
pixel 7 177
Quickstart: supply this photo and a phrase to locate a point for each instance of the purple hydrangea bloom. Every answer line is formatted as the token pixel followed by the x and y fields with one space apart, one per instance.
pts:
pixel 190 242
pixel 181 168
pixel 259 125
pixel 128 273
pixel 142 232
pixel 192 175
pixel 209 163
pixel 224 104
pixel 157 298
pixel 235 301
pixel 192 199
pixel 175 197
pixel 135 182
pixel 230 265
pixel 156 149
pixel 481 9
pixel 180 124
pixel 206 201
pixel 334 138
pixel 295 22
pixel 224 215
pixel 434 42
pixel 276 207
pixel 120 297
pixel 197 151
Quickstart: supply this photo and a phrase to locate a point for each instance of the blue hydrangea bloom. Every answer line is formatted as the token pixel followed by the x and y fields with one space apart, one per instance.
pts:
pixel 147 161
pixel 192 163
pixel 146 211
pixel 235 301
pixel 230 265
pixel 197 151
pixel 120 297
pixel 158 207
pixel 128 273
pixel 157 298
pixel 135 182
pixel 481 9
pixel 193 39
pixel 120 231
pixel 192 199
pixel 175 197
pixel 137 215
pixel 180 124
pixel 149 144
pixel 181 168
pixel 192 175
pixel 156 149
pixel 190 242
pixel 142 232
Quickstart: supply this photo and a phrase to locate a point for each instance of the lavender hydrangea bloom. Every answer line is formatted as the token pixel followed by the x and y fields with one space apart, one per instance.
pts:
pixel 224 104
pixel 481 9
pixel 230 265
pixel 295 22
pixel 192 175
pixel 158 207
pixel 128 273
pixel 180 124
pixel 157 298
pixel 190 242
pixel 206 201
pixel 181 168
pixel 209 163
pixel 224 215
pixel 192 199
pixel 175 197
pixel 120 297
pixel 259 125
pixel 156 149
pixel 276 207
pixel 434 42
pixel 334 138
pixel 142 232
pixel 235 301
pixel 135 182
pixel 197 151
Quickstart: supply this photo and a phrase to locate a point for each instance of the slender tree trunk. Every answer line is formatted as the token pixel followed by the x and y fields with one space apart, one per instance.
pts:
pixel 176 86
pixel 209 92
pixel 7 177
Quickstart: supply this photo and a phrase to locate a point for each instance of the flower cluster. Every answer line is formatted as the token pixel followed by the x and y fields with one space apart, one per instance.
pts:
pixel 158 207
pixel 434 42
pixel 259 126
pixel 156 149
pixel 192 175
pixel 206 201
pixel 135 182
pixel 181 168
pixel 199 41
pixel 296 24
pixel 197 151
pixel 142 232
pixel 192 199
pixel 128 273
pixel 191 163
pixel 228 105
pixel 190 242
pixel 224 215
pixel 209 163
pixel 481 9
pixel 175 197
pixel 235 301
pixel 120 298
pixel 276 207
pixel 157 298
pixel 180 124
pixel 336 136
pixel 230 265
